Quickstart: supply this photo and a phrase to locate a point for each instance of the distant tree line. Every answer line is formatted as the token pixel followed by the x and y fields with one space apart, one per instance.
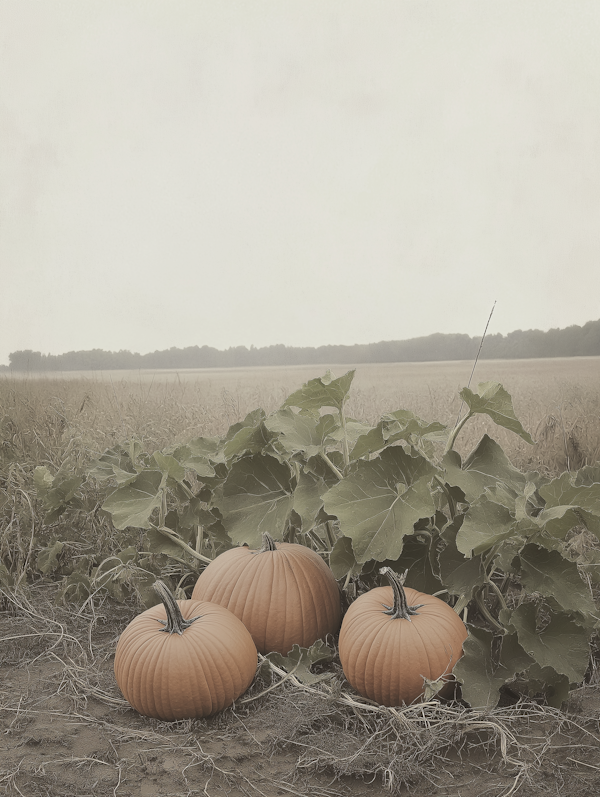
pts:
pixel 574 341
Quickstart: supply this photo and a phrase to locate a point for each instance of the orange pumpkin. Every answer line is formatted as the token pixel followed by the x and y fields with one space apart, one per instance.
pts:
pixel 393 638
pixel 284 593
pixel 184 659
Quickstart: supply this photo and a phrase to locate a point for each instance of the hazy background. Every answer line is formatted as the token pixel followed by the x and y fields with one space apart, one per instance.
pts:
pixel 234 173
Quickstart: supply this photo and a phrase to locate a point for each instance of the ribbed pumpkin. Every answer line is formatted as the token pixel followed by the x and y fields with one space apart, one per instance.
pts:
pixel 284 593
pixel 393 638
pixel 184 659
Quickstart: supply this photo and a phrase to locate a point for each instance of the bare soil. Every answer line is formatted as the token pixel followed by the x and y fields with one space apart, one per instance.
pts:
pixel 65 730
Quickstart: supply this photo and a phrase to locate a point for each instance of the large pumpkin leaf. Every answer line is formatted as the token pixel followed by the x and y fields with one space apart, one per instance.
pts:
pixel 546 681
pixel 548 573
pixel 486 467
pixel 460 575
pixel 559 520
pixel 493 400
pixel 257 496
pixel 561 644
pixel 481 673
pixel 114 464
pixel 380 501
pixel 249 440
pixel 302 433
pixel 485 524
pixel 574 489
pixel 393 427
pixel 133 504
pixel 169 466
pixel 325 391
pixel 308 499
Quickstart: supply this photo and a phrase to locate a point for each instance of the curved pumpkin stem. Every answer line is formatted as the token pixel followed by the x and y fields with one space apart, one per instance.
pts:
pixel 400 609
pixel 268 543
pixel 175 623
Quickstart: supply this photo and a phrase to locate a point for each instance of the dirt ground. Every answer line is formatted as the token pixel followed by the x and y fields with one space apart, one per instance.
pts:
pixel 65 730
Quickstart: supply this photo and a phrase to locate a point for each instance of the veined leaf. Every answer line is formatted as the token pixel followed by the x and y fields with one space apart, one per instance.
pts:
pixel 395 426
pixel 325 391
pixel 169 466
pixel 257 496
pixel 548 573
pixel 573 489
pixel 493 400
pixel 547 681
pixel 115 463
pixel 486 523
pixel 561 644
pixel 460 575
pixel 302 433
pixel 478 671
pixel 342 560
pixel 308 499
pixel 559 520
pixel 485 467
pixel 249 440
pixel 380 501
pixel 133 504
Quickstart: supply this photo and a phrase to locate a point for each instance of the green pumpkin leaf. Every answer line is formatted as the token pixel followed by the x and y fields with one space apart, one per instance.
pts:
pixel 249 440
pixel 460 575
pixel 300 660
pixel 302 433
pixel 573 489
pixel 416 558
pixel 257 496
pixel 562 644
pixel 481 674
pixel 342 560
pixel 114 464
pixel 548 573
pixel 134 503
pixel 546 681
pixel 325 391
pixel 380 501
pixel 559 520
pixel 493 400
pixel 486 524
pixel 169 466
pixel 485 468
pixel 308 499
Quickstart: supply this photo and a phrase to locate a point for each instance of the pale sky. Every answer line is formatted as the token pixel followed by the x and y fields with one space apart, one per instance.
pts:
pixel 305 172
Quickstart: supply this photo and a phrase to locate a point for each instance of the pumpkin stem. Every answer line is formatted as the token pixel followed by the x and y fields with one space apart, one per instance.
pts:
pixel 175 624
pixel 400 609
pixel 268 543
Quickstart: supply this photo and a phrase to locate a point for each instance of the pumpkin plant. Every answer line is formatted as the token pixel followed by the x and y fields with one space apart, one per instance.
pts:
pixel 184 659
pixel 284 593
pixel 494 541
pixel 394 640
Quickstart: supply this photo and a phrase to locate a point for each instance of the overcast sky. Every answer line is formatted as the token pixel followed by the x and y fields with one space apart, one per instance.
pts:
pixel 190 172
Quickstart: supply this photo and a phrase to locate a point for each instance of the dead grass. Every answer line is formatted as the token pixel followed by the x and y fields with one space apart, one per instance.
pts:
pixel 49 419
pixel 67 730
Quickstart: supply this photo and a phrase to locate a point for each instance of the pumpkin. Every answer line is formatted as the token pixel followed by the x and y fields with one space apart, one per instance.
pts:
pixel 184 659
pixel 284 593
pixel 393 638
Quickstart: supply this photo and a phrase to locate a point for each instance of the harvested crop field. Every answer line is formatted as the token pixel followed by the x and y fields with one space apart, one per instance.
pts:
pixel 66 729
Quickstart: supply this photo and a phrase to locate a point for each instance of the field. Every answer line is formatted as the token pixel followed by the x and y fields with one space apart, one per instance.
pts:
pixel 65 726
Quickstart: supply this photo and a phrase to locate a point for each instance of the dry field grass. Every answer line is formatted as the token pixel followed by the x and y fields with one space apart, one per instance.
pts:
pixel 557 401
pixel 67 731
